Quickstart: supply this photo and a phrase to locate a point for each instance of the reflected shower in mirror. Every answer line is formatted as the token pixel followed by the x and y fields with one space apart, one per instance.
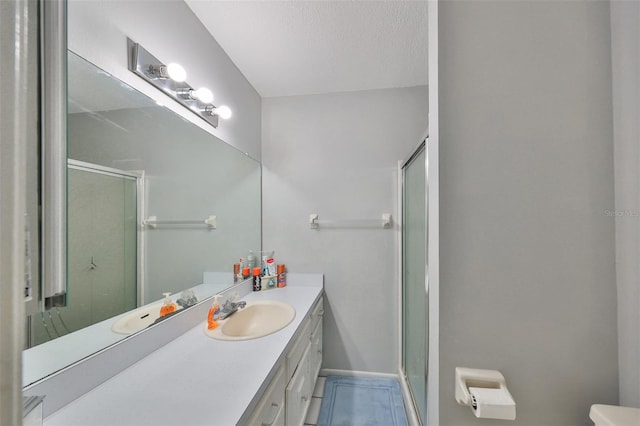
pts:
pixel 130 160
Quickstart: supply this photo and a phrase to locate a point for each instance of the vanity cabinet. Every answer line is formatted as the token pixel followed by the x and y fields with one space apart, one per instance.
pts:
pixel 303 362
pixel 288 396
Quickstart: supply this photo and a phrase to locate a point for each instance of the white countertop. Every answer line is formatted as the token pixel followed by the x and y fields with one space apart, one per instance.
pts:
pixel 54 355
pixel 193 380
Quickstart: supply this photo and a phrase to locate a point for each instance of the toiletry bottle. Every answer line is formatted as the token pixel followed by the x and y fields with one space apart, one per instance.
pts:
pixel 282 275
pixel 168 306
pixel 271 267
pixel 256 280
pixel 214 314
pixel 236 273
pixel 246 273
pixel 251 260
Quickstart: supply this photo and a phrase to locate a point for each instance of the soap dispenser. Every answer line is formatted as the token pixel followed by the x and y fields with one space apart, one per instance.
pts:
pixel 214 313
pixel 168 306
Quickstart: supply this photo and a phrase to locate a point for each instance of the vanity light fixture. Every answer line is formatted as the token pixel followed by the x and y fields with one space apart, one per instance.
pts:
pixel 170 79
pixel 173 71
pixel 202 94
pixel 223 111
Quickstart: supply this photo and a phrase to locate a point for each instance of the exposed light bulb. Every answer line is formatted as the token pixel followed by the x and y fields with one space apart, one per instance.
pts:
pixel 203 94
pixel 222 111
pixel 176 72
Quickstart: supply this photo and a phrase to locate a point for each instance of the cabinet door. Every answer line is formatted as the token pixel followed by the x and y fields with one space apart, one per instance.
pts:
pixel 270 410
pixel 298 395
pixel 295 355
pixel 280 416
pixel 316 351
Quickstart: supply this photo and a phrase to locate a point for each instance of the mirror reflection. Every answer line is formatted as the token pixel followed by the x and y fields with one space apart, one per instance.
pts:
pixel 155 205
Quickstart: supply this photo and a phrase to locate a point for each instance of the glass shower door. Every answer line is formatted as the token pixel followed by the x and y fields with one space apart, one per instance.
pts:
pixel 102 252
pixel 414 276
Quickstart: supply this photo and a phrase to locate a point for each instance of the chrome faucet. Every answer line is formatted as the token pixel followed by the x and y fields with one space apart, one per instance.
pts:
pixel 187 299
pixel 230 307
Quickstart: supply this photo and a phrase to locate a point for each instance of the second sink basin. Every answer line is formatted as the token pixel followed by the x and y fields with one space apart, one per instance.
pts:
pixel 138 319
pixel 257 319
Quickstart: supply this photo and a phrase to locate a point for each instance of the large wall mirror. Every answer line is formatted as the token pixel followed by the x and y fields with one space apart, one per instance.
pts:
pixel 155 204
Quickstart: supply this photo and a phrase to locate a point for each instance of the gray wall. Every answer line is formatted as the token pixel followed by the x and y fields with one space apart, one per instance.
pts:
pixel 625 43
pixel 527 279
pixel 98 31
pixel 336 155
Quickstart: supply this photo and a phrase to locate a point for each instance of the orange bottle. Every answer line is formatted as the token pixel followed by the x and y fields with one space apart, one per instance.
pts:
pixel 168 306
pixel 282 275
pixel 214 313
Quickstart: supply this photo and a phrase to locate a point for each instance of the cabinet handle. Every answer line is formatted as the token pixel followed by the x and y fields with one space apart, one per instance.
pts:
pixel 304 398
pixel 321 312
pixel 275 414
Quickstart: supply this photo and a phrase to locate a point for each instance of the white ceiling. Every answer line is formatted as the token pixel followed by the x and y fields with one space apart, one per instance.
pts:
pixel 287 48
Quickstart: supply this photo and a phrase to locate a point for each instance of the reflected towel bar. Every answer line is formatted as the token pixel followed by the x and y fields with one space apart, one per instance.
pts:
pixel 385 222
pixel 153 222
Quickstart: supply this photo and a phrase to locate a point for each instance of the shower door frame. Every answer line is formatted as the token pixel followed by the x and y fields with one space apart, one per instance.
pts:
pixel 139 176
pixel 422 147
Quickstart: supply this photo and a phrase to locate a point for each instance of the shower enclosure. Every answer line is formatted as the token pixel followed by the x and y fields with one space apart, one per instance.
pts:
pixel 414 278
pixel 102 251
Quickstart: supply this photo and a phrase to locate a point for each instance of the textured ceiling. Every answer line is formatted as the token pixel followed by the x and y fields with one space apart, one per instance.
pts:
pixel 287 48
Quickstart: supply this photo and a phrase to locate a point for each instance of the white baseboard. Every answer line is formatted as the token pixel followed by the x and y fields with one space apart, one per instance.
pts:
pixel 354 373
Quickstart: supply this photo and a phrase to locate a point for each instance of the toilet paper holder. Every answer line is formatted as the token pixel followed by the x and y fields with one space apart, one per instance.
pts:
pixel 475 377
pixel 485 392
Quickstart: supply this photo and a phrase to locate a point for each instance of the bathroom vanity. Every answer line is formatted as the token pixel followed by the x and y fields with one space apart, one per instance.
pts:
pixel 197 380
pixel 288 395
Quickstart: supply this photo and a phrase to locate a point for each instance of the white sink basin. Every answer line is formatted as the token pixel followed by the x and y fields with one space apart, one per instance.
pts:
pixel 138 319
pixel 257 319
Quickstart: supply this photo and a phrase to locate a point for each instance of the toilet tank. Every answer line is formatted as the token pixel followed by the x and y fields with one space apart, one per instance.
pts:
pixel 612 415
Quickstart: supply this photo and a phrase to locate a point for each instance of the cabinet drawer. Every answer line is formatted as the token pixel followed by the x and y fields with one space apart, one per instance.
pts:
pixel 270 410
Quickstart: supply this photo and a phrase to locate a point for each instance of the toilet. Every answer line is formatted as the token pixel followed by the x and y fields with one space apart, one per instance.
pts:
pixel 612 415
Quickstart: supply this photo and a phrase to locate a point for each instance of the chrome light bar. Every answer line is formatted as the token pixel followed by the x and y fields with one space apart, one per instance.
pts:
pixel 155 72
